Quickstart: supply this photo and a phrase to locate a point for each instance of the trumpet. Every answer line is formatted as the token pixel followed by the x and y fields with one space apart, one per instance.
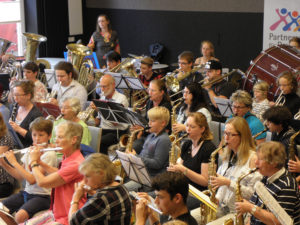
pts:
pixel 25 150
pixel 280 100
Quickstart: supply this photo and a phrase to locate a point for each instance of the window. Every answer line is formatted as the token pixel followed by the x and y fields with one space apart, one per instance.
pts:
pixel 11 14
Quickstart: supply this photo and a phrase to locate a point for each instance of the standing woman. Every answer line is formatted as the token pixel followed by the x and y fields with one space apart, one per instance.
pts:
pixel 238 159
pixel 23 111
pixel 194 101
pixel 208 53
pixel 104 39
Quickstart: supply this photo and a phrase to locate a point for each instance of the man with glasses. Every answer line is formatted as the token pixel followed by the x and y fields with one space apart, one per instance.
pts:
pixel 110 131
pixel 241 106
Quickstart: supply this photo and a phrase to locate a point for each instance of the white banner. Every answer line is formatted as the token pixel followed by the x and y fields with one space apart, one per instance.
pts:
pixel 281 21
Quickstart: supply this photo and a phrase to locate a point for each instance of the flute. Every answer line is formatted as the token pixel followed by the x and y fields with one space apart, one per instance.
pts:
pixel 25 150
pixel 151 204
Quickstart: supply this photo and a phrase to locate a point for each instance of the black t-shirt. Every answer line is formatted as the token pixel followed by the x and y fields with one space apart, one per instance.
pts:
pixel 195 77
pixel 292 102
pixel 187 217
pixel 194 163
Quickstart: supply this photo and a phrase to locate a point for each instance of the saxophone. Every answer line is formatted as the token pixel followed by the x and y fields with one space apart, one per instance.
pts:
pixel 207 214
pixel 175 151
pixel 131 139
pixel 239 220
pixel 292 147
pixel 86 114
pixel 173 137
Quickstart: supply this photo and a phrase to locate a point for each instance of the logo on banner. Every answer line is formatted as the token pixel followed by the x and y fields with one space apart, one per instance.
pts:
pixel 287 20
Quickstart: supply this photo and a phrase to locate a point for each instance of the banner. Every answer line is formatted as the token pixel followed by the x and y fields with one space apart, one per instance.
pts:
pixel 281 21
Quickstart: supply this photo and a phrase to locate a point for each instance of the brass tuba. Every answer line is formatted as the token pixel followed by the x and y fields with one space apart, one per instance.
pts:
pixel 32 43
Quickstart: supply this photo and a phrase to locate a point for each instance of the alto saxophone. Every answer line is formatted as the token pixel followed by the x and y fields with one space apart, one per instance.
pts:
pixel 239 220
pixel 292 148
pixel 207 214
pixel 132 137
pixel 173 137
pixel 175 151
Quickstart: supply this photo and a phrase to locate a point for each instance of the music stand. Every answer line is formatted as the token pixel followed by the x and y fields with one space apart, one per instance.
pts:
pixel 127 82
pixel 48 109
pixel 224 106
pixel 116 113
pixel 135 168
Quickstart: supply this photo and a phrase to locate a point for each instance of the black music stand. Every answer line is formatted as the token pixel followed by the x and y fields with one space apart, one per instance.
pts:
pixel 135 168
pixel 116 113
pixel 127 82
pixel 224 106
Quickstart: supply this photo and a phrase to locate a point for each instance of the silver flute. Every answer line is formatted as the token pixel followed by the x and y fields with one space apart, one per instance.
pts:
pixel 25 150
pixel 151 205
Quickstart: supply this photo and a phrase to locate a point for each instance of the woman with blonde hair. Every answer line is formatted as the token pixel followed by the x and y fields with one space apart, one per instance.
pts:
pixel 238 159
pixel 110 201
pixel 207 50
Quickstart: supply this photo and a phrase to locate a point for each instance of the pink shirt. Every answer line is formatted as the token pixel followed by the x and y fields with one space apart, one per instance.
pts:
pixel 63 194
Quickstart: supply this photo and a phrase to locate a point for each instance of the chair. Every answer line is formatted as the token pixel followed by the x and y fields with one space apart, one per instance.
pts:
pixel 96 133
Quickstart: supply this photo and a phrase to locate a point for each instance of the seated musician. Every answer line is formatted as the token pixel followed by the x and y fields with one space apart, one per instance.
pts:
pixel 171 190
pixel 278 120
pixel 23 111
pixel 220 89
pixel 70 107
pixel 155 152
pixel 207 50
pixel 295 42
pixel 147 75
pixel 30 71
pixel 194 101
pixel 260 101
pixel 68 137
pixel 238 159
pixel 241 106
pixel 34 198
pixel 195 154
pixel 281 185
pixel 109 201
pixel 158 97
pixel 6 143
pixel 67 86
pixel 186 75
pixel 110 131
pixel 288 85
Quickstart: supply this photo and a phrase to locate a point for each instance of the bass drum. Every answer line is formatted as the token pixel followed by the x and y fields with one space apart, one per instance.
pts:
pixel 269 64
pixel 6 218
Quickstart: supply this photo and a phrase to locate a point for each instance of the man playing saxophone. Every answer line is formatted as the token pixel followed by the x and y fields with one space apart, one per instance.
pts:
pixel 281 185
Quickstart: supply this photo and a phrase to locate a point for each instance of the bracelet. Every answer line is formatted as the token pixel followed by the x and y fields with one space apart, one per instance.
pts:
pixel 253 210
pixel 34 165
pixel 73 203
pixel 185 171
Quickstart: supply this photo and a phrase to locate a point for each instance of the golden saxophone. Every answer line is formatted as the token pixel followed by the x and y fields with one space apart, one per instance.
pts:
pixel 175 151
pixel 292 148
pixel 207 214
pixel 86 114
pixel 239 220
pixel 173 136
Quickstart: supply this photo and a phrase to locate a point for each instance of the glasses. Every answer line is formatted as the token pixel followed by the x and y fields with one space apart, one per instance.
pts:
pixel 238 107
pixel 228 134
pixel 182 63
pixel 284 85
pixel 19 95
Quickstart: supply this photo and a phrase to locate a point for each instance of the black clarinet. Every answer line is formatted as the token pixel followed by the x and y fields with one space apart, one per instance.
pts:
pixel 14 112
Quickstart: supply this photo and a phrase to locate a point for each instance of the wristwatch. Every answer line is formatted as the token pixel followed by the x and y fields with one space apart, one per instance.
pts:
pixel 253 210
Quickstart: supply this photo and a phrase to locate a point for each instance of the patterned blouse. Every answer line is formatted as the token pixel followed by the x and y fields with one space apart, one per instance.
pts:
pixel 6 140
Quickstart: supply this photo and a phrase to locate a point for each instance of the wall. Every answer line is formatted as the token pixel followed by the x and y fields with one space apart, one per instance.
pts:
pixel 234 28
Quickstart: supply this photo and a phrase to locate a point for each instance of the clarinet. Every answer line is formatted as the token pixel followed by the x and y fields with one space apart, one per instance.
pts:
pixel 14 112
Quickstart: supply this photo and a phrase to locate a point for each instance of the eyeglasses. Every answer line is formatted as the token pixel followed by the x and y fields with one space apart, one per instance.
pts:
pixel 182 63
pixel 228 134
pixel 238 107
pixel 19 95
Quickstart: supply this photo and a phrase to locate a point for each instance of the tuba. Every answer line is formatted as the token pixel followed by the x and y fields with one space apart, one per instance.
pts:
pixel 32 43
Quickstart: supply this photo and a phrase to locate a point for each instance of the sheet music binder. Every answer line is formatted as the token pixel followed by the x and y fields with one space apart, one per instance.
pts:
pixel 48 109
pixel 135 168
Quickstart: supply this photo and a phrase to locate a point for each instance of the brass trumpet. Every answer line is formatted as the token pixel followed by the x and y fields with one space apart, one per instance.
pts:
pixel 218 79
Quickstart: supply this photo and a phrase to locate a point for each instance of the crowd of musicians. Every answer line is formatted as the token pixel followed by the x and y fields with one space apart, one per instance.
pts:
pixel 75 185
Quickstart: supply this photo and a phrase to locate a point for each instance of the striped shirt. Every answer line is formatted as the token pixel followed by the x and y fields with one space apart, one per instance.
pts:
pixel 109 206
pixel 283 187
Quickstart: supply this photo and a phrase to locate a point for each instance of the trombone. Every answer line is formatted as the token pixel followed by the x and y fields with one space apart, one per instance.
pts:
pixel 217 79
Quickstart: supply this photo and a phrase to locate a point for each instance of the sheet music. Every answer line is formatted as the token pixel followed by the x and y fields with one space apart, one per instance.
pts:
pixel 272 204
pixel 202 197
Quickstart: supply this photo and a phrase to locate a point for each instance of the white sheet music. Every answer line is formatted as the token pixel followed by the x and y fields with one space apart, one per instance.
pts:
pixel 272 204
